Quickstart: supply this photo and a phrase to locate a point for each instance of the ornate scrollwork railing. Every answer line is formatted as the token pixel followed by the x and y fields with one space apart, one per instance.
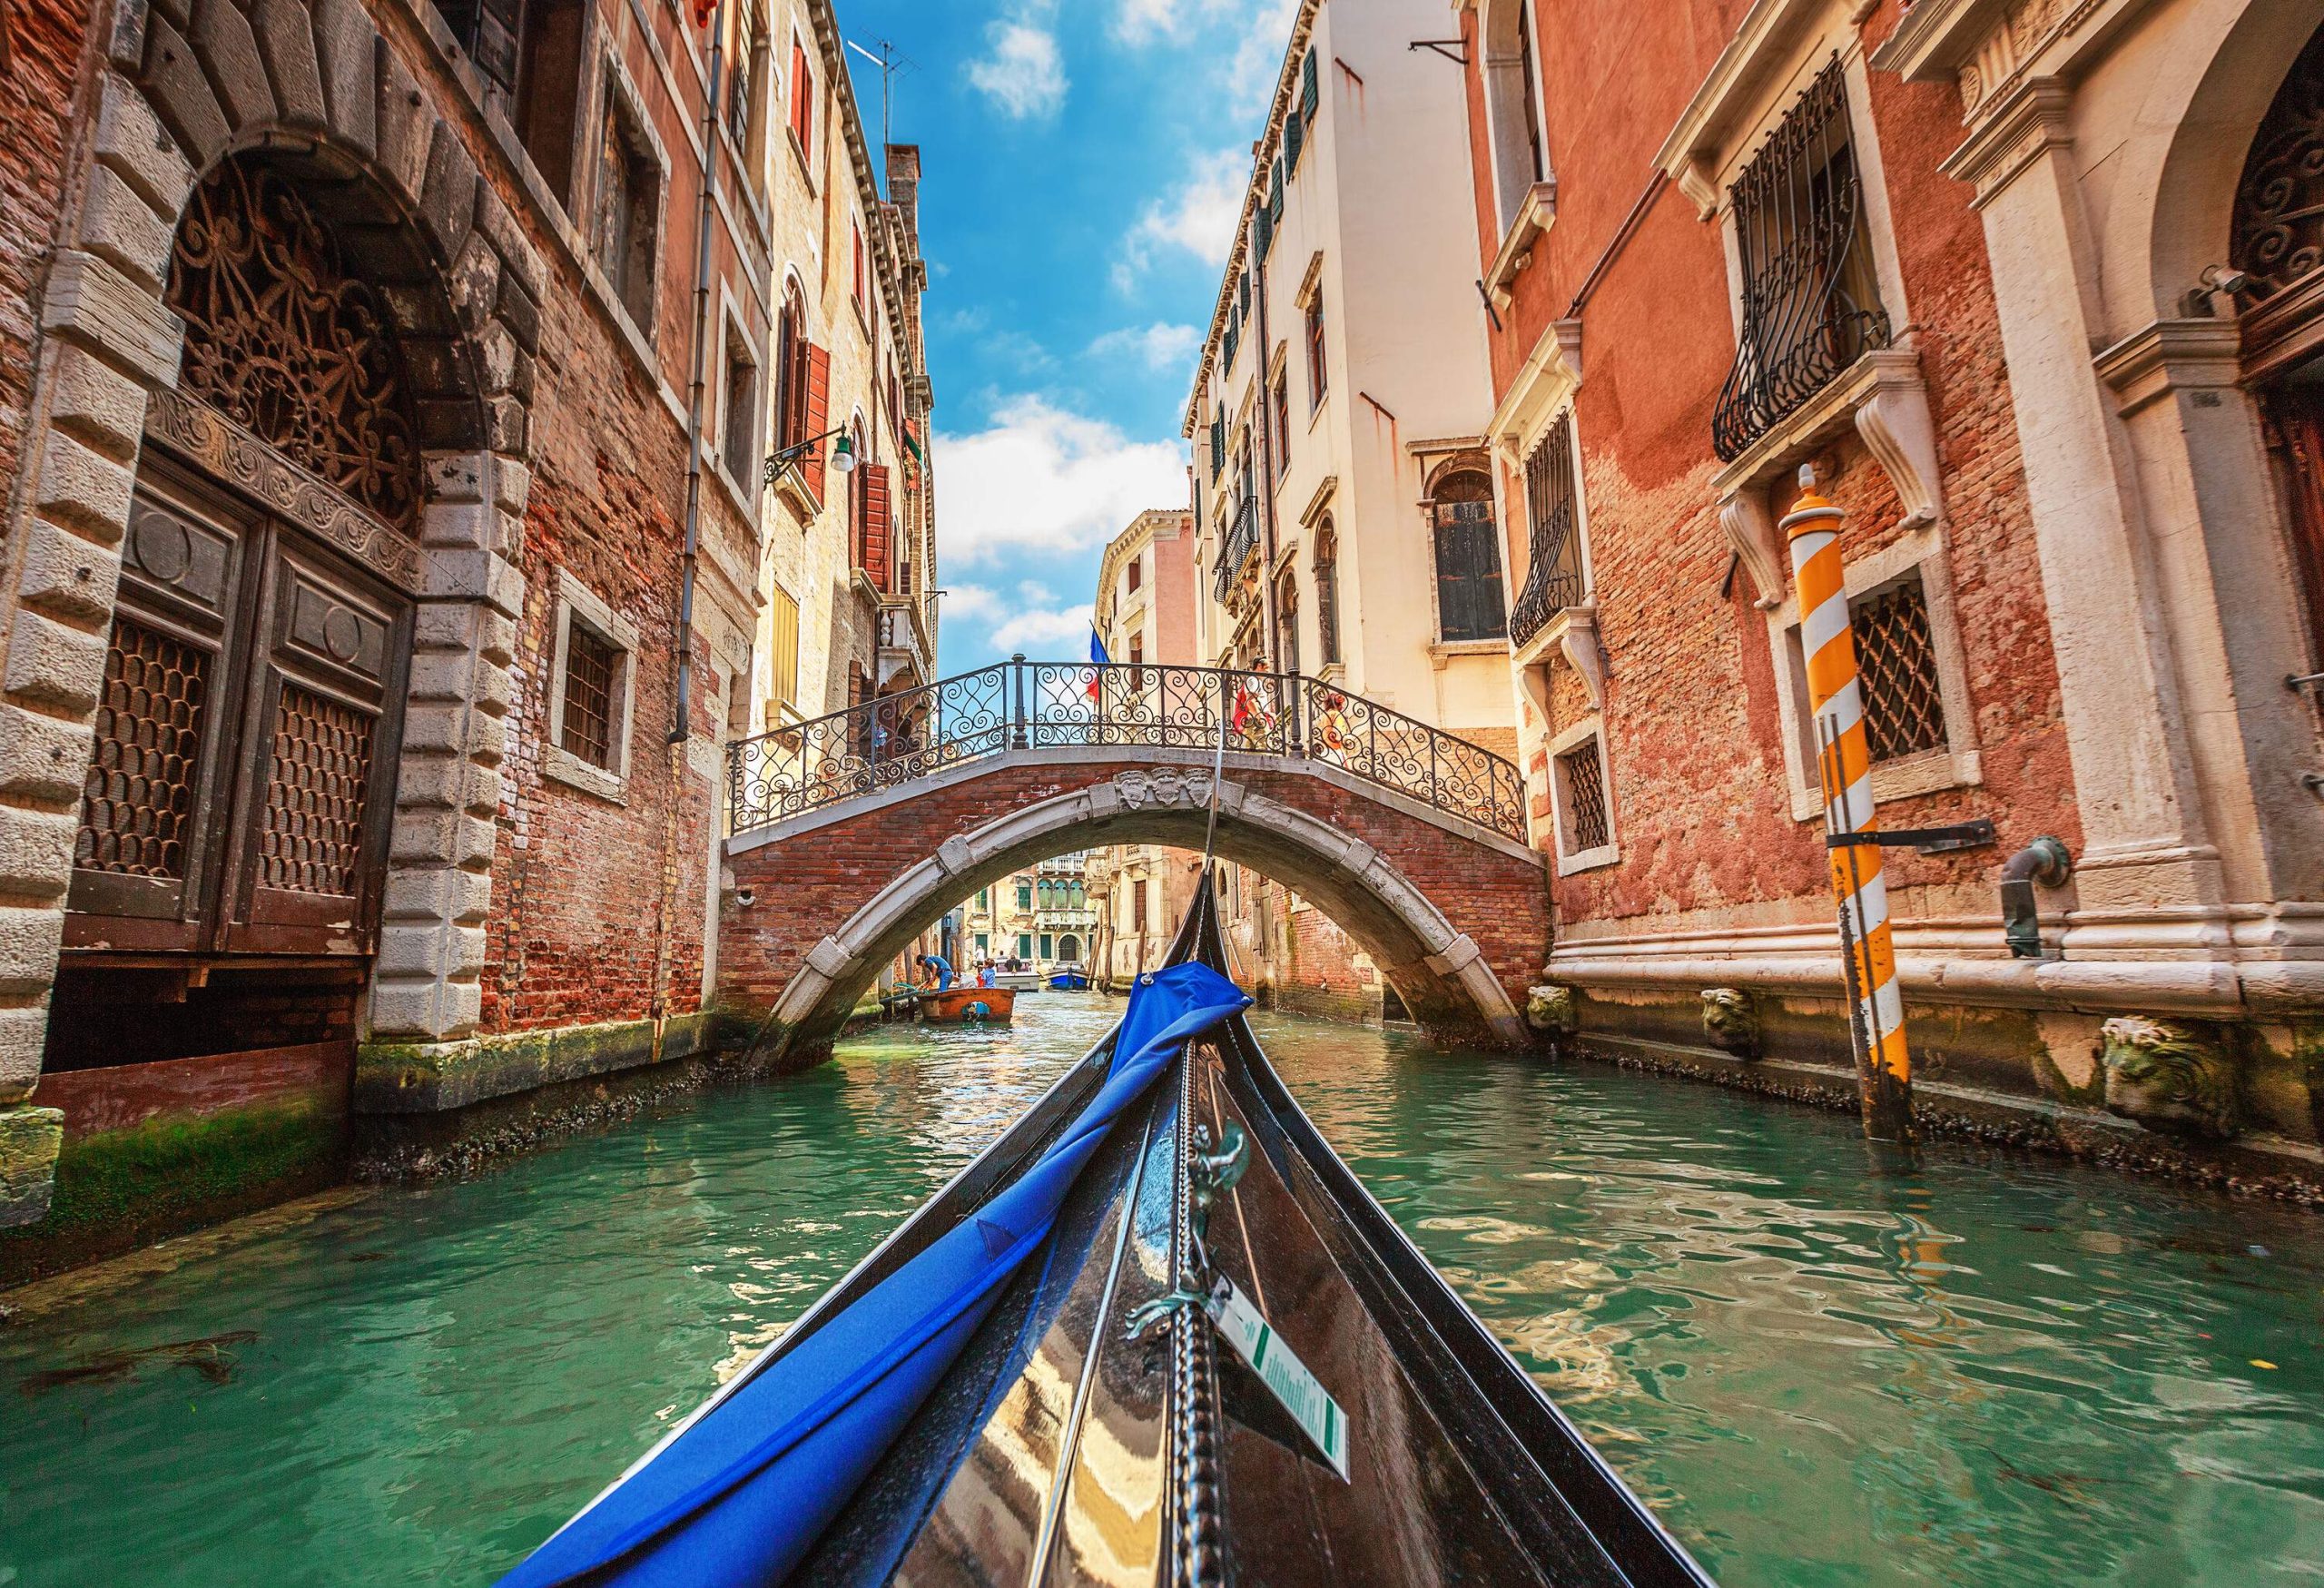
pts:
pixel 915 733
pixel 1811 304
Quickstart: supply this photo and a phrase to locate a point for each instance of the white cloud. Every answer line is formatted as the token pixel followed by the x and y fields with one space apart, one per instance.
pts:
pixel 1053 632
pixel 1257 61
pixel 1039 482
pixel 972 603
pixel 1161 348
pixel 1197 217
pixel 1245 73
pixel 1024 74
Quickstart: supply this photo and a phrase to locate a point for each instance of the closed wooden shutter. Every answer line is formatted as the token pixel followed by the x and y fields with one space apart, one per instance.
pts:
pixel 1307 87
pixel 782 648
pixel 818 420
pixel 1468 572
pixel 878 529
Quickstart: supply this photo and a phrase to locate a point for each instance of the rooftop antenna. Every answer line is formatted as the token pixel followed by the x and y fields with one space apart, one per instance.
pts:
pixel 889 59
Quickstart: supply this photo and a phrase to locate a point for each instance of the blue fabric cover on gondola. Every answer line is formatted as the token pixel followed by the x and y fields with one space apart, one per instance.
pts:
pixel 742 1494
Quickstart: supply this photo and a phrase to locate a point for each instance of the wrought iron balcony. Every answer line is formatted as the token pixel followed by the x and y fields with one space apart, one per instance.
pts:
pixel 1236 548
pixel 901 738
pixel 1811 304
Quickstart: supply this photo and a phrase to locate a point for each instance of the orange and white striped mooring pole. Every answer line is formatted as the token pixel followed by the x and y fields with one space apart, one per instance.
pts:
pixel 1844 764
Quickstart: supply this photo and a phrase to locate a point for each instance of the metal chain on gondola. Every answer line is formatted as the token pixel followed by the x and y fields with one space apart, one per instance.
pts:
pixel 1193 1369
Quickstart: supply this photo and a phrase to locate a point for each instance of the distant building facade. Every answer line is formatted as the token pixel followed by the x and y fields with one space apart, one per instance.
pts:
pixel 1344 501
pixel 1042 916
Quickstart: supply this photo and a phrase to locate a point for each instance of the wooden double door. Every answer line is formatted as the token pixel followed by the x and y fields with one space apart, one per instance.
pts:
pixel 238 797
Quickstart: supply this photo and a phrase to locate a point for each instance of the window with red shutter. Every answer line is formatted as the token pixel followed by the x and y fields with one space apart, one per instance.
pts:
pixel 818 420
pixel 877 532
pixel 803 100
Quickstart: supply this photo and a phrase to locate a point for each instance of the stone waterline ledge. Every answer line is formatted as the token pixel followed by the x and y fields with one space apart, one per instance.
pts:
pixel 436 1077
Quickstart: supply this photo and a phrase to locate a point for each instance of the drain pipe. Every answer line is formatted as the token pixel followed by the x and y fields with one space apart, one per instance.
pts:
pixel 2044 862
pixel 681 728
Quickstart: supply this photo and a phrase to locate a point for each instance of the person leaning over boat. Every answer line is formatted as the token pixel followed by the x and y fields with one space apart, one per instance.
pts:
pixel 937 969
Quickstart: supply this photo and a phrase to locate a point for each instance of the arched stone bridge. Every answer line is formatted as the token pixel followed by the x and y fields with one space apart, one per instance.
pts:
pixel 855 833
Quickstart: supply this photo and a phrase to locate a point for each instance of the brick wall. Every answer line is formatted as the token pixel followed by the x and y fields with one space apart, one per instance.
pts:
pixel 1701 794
pixel 809 887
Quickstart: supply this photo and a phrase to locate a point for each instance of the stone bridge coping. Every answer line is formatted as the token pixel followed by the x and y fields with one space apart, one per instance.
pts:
pixel 749 838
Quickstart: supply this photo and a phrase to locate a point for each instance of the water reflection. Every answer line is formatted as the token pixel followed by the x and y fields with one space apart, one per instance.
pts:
pixel 2000 1371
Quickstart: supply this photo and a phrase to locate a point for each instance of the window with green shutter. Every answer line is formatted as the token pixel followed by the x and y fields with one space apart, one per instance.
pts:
pixel 1274 195
pixel 1294 138
pixel 1308 86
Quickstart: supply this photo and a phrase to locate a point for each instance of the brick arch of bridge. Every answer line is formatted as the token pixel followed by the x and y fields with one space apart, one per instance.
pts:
pixel 1456 916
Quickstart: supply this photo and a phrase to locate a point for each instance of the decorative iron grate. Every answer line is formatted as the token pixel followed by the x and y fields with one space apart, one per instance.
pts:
pixel 2279 226
pixel 137 800
pixel 1811 305
pixel 1553 511
pixel 312 840
pixel 282 340
pixel 589 666
pixel 1904 703
pixel 1583 776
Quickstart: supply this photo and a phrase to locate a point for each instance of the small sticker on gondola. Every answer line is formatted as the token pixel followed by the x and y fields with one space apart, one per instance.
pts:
pixel 1298 1392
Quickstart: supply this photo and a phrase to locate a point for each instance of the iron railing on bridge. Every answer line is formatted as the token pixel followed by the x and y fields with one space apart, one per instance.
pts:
pixel 901 738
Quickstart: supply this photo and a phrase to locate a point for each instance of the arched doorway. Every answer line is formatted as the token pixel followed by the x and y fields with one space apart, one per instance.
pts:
pixel 1068 949
pixel 2277 247
pixel 231 855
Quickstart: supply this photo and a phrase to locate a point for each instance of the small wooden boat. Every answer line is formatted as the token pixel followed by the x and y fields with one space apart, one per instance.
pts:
pixel 1069 978
pixel 968 1006
pixel 1157 1332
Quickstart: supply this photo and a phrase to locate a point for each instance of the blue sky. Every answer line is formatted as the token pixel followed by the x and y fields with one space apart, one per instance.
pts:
pixel 1083 167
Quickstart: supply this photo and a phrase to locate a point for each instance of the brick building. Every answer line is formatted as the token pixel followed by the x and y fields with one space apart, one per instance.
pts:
pixel 2027 288
pixel 347 360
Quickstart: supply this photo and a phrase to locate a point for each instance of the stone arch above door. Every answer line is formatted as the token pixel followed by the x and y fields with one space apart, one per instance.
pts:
pixel 317 94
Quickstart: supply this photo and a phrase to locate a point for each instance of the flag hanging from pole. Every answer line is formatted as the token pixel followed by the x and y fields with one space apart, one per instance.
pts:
pixel 1099 663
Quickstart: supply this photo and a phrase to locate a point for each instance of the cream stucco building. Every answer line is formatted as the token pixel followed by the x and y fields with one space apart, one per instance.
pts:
pixel 1342 502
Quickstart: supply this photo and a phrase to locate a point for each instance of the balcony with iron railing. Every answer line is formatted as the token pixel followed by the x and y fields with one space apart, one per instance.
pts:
pixel 1552 583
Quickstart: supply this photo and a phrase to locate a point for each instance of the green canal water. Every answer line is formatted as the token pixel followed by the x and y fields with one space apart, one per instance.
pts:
pixel 2001 1371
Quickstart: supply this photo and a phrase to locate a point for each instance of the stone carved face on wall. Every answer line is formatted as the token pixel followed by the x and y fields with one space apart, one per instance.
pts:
pixel 2168 1078
pixel 1731 1022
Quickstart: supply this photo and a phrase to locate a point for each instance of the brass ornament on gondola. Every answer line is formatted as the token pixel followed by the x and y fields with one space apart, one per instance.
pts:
pixel 281 340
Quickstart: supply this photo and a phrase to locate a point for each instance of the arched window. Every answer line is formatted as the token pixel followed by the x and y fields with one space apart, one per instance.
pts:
pixel 1513 85
pixel 791 369
pixel 1468 604
pixel 1327 591
pixel 1286 613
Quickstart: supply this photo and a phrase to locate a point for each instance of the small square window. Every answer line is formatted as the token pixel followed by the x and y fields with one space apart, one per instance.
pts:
pixel 590 685
pixel 1895 657
pixel 591 663
pixel 1585 822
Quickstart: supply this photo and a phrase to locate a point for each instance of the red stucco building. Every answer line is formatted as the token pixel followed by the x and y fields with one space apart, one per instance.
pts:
pixel 1949 260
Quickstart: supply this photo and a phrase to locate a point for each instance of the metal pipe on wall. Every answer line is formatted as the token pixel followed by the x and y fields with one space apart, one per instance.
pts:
pixel 683 715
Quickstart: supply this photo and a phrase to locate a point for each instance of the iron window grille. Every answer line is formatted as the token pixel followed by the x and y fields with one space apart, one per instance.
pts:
pixel 1904 699
pixel 592 665
pixel 1581 777
pixel 1811 306
pixel 1554 519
